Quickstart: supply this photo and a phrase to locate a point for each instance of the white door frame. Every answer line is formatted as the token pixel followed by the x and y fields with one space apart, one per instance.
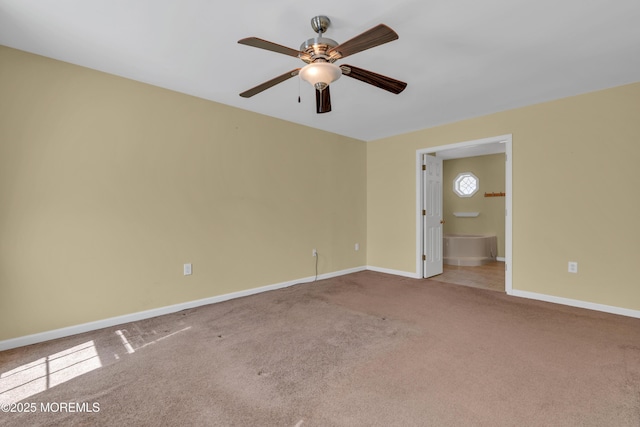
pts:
pixel 507 140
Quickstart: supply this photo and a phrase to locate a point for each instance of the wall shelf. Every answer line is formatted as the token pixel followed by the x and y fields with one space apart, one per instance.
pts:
pixel 466 214
pixel 494 194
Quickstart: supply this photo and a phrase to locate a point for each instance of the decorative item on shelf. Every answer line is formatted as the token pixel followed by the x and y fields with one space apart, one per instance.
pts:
pixel 494 194
pixel 466 214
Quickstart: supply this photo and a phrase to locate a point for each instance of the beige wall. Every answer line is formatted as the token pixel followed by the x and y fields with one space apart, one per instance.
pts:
pixel 490 171
pixel 108 186
pixel 571 160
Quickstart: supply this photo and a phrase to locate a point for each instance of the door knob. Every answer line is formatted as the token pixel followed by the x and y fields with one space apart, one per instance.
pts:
pixel 442 221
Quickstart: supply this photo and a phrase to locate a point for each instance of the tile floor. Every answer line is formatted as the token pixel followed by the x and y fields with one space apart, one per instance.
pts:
pixel 489 276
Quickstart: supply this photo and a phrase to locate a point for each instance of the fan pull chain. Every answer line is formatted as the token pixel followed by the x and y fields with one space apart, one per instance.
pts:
pixel 298 90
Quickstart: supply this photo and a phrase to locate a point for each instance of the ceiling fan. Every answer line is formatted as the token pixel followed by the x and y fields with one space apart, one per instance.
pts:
pixel 320 53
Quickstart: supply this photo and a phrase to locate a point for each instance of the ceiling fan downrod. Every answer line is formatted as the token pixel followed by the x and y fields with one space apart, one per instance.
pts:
pixel 320 24
pixel 316 49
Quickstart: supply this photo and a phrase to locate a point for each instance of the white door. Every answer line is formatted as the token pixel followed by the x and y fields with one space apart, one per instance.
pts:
pixel 432 215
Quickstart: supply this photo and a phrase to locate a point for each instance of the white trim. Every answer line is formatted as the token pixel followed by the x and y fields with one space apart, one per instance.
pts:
pixel 501 259
pixel 577 303
pixel 508 216
pixel 394 272
pixel 507 140
pixel 141 315
pixel 535 296
pixel 419 220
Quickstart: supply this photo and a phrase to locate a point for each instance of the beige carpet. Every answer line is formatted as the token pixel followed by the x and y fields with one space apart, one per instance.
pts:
pixel 367 349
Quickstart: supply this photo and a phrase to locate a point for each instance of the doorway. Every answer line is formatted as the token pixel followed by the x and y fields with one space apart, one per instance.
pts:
pixel 488 276
pixel 492 145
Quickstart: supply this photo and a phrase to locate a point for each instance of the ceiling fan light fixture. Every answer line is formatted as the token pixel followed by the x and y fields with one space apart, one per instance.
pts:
pixel 320 74
pixel 320 53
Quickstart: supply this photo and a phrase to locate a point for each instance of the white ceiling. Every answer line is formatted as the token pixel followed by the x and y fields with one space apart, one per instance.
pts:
pixel 472 151
pixel 460 58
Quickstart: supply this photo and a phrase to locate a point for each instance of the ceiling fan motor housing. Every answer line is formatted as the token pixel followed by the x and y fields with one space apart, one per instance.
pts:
pixel 316 49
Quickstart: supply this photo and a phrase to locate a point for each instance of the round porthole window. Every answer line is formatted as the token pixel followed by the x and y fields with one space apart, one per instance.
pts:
pixel 466 184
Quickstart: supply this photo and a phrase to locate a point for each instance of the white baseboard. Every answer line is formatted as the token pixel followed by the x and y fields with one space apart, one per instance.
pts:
pixel 577 303
pixel 532 295
pixel 501 259
pixel 141 315
pixel 394 272
pixel 134 317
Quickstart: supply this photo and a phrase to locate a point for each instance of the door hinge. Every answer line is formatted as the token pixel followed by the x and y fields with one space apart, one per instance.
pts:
pixel 424 211
pixel 424 257
pixel 424 167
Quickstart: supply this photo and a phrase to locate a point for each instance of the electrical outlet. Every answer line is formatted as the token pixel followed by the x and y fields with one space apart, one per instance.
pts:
pixel 314 253
pixel 187 269
pixel 357 246
pixel 573 267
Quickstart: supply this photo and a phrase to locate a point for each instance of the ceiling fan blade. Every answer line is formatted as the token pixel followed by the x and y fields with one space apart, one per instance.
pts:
pixel 376 36
pixel 323 100
pixel 274 47
pixel 375 79
pixel 266 85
